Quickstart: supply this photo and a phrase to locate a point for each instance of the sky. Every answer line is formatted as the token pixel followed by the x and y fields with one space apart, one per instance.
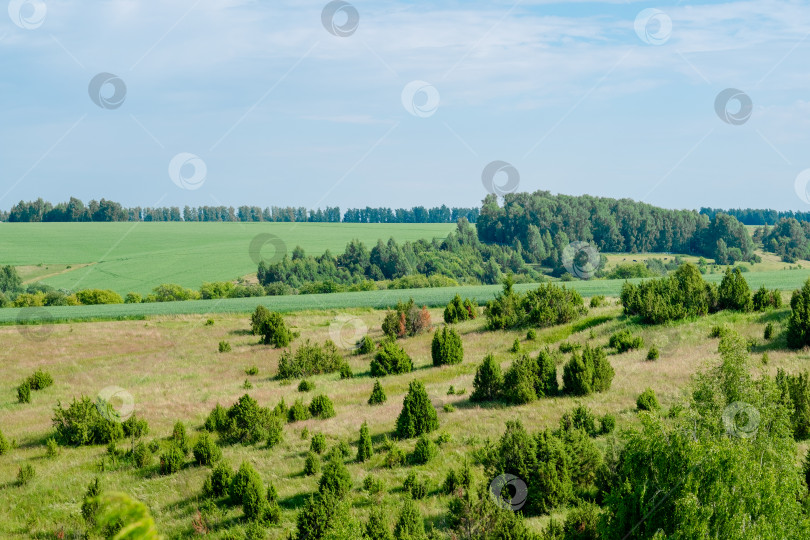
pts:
pixel 401 103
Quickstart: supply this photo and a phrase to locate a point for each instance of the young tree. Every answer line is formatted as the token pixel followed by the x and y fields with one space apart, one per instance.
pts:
pixel 417 415
pixel 798 331
pixel 446 347
pixel 377 394
pixel 364 448
pixel 734 293
pixel 488 380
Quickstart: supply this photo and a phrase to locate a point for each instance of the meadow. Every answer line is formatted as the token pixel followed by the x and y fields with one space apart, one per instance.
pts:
pixel 136 257
pixel 172 368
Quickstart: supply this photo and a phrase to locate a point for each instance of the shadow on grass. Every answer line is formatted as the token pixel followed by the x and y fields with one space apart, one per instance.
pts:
pixel 296 501
pixel 468 404
pixel 240 332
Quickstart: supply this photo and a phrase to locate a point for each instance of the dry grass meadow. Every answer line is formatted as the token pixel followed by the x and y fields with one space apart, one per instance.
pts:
pixel 172 368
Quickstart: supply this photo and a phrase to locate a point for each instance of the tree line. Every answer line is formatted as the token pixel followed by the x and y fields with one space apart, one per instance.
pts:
pixel 757 216
pixel 105 210
pixel 544 224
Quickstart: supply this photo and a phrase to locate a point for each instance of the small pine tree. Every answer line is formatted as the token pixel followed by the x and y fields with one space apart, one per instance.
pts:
pixel 4 445
pixel 545 384
pixel 798 328
pixel 446 347
pixel 417 415
pixel 364 448
pixel 322 407
pixel 377 394
pixel 312 464
pixel 24 392
pixel 734 292
pixel 335 478
pixel 647 401
pixel 409 524
pixel 391 359
pixel 179 437
pixel 518 382
pixel 768 333
pixel 577 377
pixel 254 498
pixel 318 443
pixel 602 370
pixel 653 353
pixel 424 451
pixel 488 380
pixel 377 526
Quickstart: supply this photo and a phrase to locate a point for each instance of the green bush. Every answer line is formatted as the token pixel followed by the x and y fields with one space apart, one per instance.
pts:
pixel 335 478
pixel 798 328
pixel 372 484
pixel 768 333
pixel 321 407
pixel 275 429
pixel 312 464
pixel 318 443
pixel 219 482
pixel 488 380
pixel 346 371
pixel 567 347
pixel 252 370
pixel 416 488
pixel 582 522
pixel 515 348
pixel 391 359
pixel 25 474
pixel 81 423
pixel 580 418
pixel 206 451
pixel 51 447
pixel 624 340
pixel 298 412
pixel 40 380
pixel 683 294
pixel 179 437
pixel 240 481
pixel 424 451
pixel 409 524
pixel 607 424
pixel 271 326
pixel 764 299
pixel 531 335
pixel 306 386
pixel 254 501
pixel 417 415
pixel 133 298
pixel 172 459
pixel 365 345
pixel 364 448
pixel 647 401
pixel 406 320
pixel 446 348
pixel 309 359
pixel 734 293
pixel 141 455
pixel 135 427
pixel 547 305
pixel 171 292
pixel 459 311
pixel 377 394
pixel 394 457
pixel 24 392
pixel 224 346
pixel 597 301
pixel 518 382
pixel 90 297
pixel 4 444
pixel 587 372
pixel 217 419
pixel 245 421
pixel 653 354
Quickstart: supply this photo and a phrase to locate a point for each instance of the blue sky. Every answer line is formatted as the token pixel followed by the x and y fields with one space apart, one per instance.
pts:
pixel 282 112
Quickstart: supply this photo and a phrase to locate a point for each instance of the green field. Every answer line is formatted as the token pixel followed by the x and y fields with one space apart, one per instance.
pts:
pixel 139 256
pixel 784 280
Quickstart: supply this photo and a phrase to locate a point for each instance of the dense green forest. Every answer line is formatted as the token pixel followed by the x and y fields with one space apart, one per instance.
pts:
pixel 105 210
pixel 757 216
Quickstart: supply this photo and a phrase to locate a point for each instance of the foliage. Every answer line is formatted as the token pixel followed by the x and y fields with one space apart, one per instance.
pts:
pixel 40 380
pixel 306 385
pixel 179 437
pixel 24 392
pixel 580 418
pixel 647 401
pixel 346 371
pixel 365 345
pixel 391 359
pixel 424 451
pixel 81 423
pixel 318 443
pixel 377 527
pixel 206 451
pixel 224 346
pixel 312 464
pixel 765 299
pixel 798 329
pixel 518 382
pixel 135 427
pixel 624 340
pixel 364 448
pixel 130 518
pixel 488 380
pixel 459 310
pixel 271 326
pixel 322 407
pixel 298 412
pixel 335 478
pixel 377 396
pixel 172 459
pixel 446 348
pixel 25 474
pixel 4 444
pixel 309 359
pixel 417 416
pixel 653 353
pixel 547 305
pixel 734 293
pixel 414 487
pixel 219 483
pixel 394 457
pixel 683 294
pixel 607 423
pixel 90 297
pixel 245 421
pixel 406 320
pixel 409 525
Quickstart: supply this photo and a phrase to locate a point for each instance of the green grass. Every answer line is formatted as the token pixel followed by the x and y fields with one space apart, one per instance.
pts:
pixel 137 257
pixel 784 280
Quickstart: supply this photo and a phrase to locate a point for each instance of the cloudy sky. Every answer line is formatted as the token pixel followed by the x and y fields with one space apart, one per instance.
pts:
pixel 280 103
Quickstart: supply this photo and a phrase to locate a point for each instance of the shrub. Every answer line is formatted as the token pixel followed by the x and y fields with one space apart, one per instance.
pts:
pixel 377 394
pixel 415 487
pixel 580 418
pixel 135 428
pixel 448 408
pixel 346 371
pixel 458 310
pixel 220 479
pixel 607 424
pixel 548 305
pixel 365 345
pixel 24 392
pixel 141 455
pixel 275 429
pixel 734 293
pixel 424 451
pixel 647 401
pixel 298 412
pixel 417 415
pixel 798 330
pixel 40 380
pixel 335 478
pixel 488 380
pixel 768 333
pixel 796 391
pixel 406 320
pixel 577 377
pixel 171 292
pixel 515 348
pixel 318 443
pixel 518 382
pixel 312 464
pixel 224 346
pixel 310 359
pixel 653 354
pixel 217 419
pixel 179 437
pixel 446 347
pixel 172 459
pixel 409 523
pixel 391 359
pixel 247 385
pixel 271 326
pixel 582 521
pixel 683 294
pixel 206 451
pixel 82 423
pixel 394 457
pixel 764 299
pixel 89 297
pixel 240 481
pixel 25 474
pixel 52 447
pixel 624 340
pixel 133 298
pixel 321 407
pixel 372 484
pixel 306 386
pixel 364 448
pixel 254 499
pixel 598 300
pixel 4 444
pixel 531 335
pixel 566 347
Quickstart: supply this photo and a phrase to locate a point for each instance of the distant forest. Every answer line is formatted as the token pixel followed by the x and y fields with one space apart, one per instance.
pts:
pixel 757 216
pixel 104 211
